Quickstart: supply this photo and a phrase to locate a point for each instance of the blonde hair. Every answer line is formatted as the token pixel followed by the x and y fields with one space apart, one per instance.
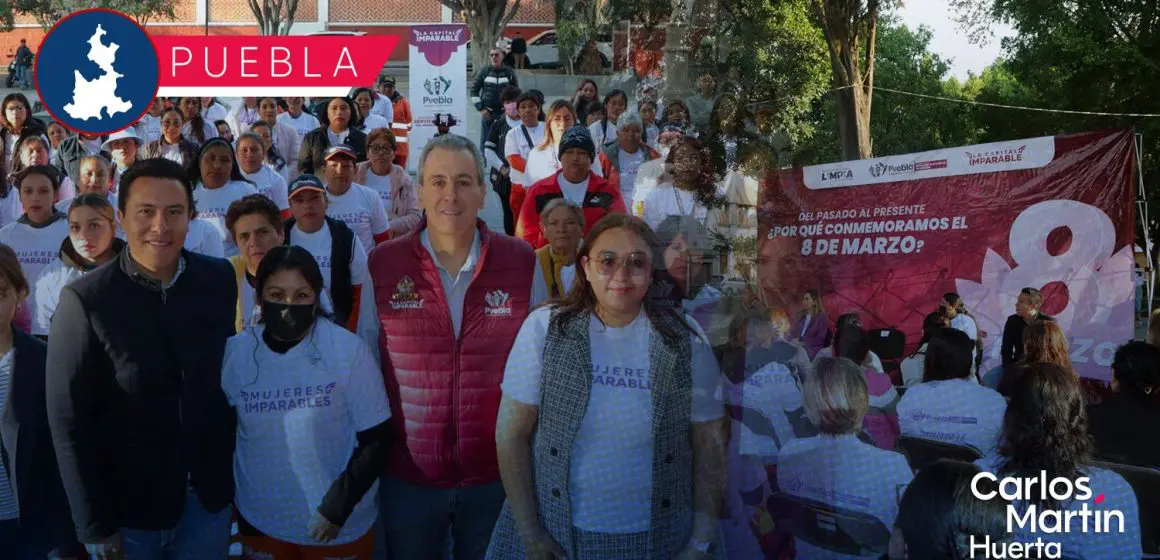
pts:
pixel 549 136
pixel 836 397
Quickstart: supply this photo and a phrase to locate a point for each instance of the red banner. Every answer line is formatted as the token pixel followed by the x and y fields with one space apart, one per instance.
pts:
pixel 298 63
pixel 888 237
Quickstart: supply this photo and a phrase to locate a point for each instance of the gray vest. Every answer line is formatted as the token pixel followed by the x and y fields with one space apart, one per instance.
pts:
pixel 566 386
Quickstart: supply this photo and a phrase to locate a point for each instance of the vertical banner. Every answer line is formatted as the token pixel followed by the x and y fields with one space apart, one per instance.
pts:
pixel 438 84
pixel 886 238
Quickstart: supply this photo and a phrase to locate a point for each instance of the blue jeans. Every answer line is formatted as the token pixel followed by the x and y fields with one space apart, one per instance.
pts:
pixel 19 542
pixel 484 129
pixel 199 535
pixel 22 75
pixel 417 520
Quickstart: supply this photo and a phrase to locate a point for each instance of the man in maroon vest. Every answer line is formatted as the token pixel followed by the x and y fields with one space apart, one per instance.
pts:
pixel 450 297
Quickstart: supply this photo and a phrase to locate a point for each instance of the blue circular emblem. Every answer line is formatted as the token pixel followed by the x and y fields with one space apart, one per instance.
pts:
pixel 96 71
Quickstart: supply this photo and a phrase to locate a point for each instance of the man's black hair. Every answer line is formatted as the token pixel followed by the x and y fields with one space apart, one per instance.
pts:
pixel 157 168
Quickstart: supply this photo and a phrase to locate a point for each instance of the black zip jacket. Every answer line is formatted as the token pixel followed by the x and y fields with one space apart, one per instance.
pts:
pixel 134 394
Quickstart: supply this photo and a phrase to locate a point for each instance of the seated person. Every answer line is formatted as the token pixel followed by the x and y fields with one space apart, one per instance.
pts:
pixel 1045 435
pixel 849 320
pixel 939 515
pixel 1115 424
pixel 835 467
pixel 882 420
pixel 950 405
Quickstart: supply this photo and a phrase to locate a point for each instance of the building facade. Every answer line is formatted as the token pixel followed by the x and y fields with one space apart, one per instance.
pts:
pixel 387 17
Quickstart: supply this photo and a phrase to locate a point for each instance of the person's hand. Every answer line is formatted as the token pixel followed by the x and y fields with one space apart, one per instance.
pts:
pixel 539 545
pixel 485 112
pixel 108 549
pixel 690 553
pixel 321 529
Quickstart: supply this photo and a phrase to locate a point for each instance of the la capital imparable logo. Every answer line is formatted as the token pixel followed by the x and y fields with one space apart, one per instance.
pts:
pixel 97 71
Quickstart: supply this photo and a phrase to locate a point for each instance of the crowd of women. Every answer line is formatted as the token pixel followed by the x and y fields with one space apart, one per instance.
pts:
pixel 255 318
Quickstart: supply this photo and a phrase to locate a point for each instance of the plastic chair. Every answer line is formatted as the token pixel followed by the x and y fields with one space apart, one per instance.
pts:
pixel 921 452
pixel 829 527
pixel 890 346
pixel 1146 483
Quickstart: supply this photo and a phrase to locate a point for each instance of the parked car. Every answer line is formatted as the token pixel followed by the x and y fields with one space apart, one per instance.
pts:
pixel 543 51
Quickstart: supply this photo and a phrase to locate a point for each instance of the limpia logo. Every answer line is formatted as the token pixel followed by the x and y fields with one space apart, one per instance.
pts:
pixel 1027 518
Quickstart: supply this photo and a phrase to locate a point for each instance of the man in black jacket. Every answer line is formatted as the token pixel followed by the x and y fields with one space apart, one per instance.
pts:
pixel 1026 312
pixel 485 91
pixel 142 430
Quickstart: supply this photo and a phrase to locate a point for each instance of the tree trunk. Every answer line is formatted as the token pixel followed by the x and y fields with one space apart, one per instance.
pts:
pixel 844 30
pixel 854 123
pixel 483 40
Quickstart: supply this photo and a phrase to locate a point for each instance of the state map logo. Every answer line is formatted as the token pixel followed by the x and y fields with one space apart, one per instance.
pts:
pixel 96 71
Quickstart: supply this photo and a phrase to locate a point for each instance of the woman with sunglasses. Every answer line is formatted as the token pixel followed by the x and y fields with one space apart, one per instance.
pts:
pixel 611 430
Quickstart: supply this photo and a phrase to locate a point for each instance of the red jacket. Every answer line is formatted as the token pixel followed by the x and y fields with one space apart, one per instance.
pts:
pixel 601 199
pixel 444 392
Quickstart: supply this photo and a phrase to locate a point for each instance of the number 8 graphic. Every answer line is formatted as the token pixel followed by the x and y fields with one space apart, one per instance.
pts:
pixel 1093 238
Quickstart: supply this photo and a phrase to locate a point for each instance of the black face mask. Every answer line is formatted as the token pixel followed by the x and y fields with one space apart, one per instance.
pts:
pixel 286 321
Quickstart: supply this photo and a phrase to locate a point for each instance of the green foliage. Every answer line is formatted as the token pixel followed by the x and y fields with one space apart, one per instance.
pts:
pixel 48 12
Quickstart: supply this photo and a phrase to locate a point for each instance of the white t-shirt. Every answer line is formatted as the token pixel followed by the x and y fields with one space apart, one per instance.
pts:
pixel 298 416
pixel 36 248
pixel 646 182
pixel 336 138
pixel 374 121
pixel 302 124
pixel 1118 495
pixel 629 165
pixel 844 472
pixel 602 132
pixel 956 411
pixel 913 367
pixel 203 238
pixel 516 144
pixel 543 163
pixel 667 200
pixel 270 184
pixel 213 113
pixel 318 243
pixel 207 127
pixel 611 471
pixel 383 107
pixel 574 192
pixel 773 392
pixel 8 509
pixel 872 359
pixel 148 129
pixel 212 205
pixel 382 185
pixel 361 209
pixel 965 323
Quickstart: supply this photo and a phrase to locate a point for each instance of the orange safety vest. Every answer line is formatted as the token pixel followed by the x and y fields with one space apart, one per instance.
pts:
pixel 402 128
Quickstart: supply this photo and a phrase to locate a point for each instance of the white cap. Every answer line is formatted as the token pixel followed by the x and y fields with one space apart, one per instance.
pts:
pixel 130 132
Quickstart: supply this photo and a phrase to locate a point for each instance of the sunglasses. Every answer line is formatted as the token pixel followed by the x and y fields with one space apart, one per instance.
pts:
pixel 607 264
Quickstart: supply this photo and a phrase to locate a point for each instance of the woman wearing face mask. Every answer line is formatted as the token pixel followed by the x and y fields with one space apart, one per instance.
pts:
pixel 310 400
pixel 91 242
pixel 544 161
pixel 283 137
pixel 615 103
pixel 582 399
pixel 364 100
pixel 172 145
pixel 563 223
pixel 197 126
pixel 92 179
pixel 40 229
pixel 691 192
pixel 586 93
pixel 251 152
pixel 336 128
pixel 390 181
pixel 218 183
pixel 273 156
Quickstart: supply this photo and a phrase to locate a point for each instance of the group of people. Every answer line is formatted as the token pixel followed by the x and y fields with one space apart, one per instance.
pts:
pixel 254 316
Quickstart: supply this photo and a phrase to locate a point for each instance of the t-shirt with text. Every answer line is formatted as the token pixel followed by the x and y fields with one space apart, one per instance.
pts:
pixel 361 209
pixel 212 205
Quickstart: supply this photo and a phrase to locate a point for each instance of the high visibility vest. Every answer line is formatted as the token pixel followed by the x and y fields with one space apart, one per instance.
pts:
pixel 402 128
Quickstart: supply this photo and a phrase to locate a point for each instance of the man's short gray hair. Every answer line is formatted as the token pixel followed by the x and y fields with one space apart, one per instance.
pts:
pixel 455 143
pixel 562 203
pixel 836 397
